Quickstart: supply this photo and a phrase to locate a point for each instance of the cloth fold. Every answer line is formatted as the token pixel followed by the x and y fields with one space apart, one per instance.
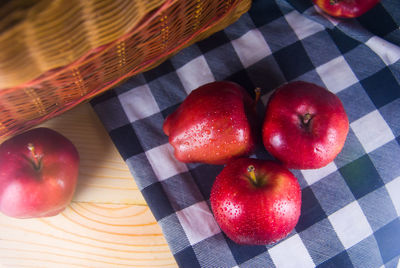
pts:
pixel 350 208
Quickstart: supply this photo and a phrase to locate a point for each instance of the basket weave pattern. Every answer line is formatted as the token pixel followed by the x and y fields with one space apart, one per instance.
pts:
pixel 48 84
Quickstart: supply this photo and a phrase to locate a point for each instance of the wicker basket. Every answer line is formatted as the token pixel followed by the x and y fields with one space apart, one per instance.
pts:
pixel 55 54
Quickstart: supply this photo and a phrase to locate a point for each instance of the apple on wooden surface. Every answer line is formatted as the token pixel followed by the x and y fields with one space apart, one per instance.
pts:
pixel 345 8
pixel 215 123
pixel 38 174
pixel 256 202
pixel 305 125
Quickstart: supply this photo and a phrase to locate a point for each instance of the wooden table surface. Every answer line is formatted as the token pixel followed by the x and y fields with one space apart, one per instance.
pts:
pixel 108 223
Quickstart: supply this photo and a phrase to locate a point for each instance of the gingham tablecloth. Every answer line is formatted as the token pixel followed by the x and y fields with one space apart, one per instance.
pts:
pixel 350 208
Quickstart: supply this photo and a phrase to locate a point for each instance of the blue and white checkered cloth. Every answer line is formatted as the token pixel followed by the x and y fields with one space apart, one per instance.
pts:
pixel 350 208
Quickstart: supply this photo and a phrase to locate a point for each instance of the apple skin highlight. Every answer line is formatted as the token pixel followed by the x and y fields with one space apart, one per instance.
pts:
pixel 38 174
pixel 256 202
pixel 346 8
pixel 214 124
pixel 305 125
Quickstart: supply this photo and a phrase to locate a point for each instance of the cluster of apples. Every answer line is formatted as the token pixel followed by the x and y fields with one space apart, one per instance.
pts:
pixel 254 201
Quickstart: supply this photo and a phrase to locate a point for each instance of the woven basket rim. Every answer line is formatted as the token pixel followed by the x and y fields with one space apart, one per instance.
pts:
pixel 32 103
pixel 21 29
pixel 86 57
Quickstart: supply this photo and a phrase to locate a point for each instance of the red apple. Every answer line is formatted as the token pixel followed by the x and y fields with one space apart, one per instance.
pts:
pixel 345 8
pixel 305 125
pixel 38 174
pixel 256 202
pixel 214 124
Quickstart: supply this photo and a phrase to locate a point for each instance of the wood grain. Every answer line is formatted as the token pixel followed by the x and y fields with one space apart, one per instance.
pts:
pixel 103 176
pixel 86 235
pixel 108 224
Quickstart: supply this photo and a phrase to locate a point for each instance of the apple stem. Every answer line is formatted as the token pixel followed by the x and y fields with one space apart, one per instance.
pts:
pixel 251 169
pixel 35 158
pixel 306 118
pixel 334 2
pixel 257 90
